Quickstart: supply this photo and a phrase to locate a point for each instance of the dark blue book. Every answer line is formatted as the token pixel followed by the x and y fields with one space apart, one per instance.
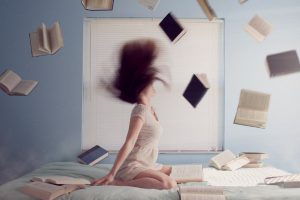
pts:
pixel 172 28
pixel 196 89
pixel 93 155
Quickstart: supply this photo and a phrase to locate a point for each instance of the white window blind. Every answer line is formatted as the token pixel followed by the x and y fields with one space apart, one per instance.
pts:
pixel 186 129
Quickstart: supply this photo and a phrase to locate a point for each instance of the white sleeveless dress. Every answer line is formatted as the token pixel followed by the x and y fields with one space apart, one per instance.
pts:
pixel 145 152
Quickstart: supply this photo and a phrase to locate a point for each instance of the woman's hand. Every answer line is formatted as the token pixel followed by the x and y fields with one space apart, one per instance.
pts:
pixel 106 180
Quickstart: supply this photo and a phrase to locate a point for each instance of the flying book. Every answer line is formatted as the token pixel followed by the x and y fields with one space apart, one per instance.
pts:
pixel 98 4
pixel 46 191
pixel 46 41
pixel 61 180
pixel 12 84
pixel 209 12
pixel 196 89
pixel 187 173
pixel 173 29
pixel 258 28
pixel 93 155
pixel 193 192
pixel 228 161
pixel 283 63
pixel 252 109
pixel 150 4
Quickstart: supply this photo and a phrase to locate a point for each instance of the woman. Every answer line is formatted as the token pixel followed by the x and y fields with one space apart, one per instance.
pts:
pixel 136 164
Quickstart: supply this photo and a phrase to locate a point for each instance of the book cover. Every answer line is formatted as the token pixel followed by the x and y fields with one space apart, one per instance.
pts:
pixel 283 63
pixel 173 29
pixel 196 89
pixel 93 155
pixel 207 9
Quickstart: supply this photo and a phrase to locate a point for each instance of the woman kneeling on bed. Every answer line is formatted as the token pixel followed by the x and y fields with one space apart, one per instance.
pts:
pixel 136 164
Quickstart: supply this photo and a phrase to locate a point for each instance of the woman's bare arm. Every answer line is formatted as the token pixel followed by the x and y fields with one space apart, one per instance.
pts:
pixel 135 126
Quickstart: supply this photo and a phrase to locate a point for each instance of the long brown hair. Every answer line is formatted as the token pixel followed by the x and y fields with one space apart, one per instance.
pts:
pixel 136 69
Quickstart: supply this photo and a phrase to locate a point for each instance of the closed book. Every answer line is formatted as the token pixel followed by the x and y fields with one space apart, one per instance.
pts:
pixel 255 157
pixel 196 89
pixel 93 155
pixel 283 63
pixel 173 29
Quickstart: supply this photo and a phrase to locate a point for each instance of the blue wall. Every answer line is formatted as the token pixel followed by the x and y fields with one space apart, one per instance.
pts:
pixel 46 125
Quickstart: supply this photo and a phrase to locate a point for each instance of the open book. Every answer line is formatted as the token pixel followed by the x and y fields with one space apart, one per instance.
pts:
pixel 61 180
pixel 47 191
pixel 187 173
pixel 228 161
pixel 209 12
pixel 258 28
pixel 252 109
pixel 98 4
pixel 196 89
pixel 171 26
pixel 12 84
pixel 46 41
pixel 150 4
pixel 201 193
pixel 291 181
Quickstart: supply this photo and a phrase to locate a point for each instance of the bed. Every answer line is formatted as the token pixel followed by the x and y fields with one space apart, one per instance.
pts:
pixel 243 184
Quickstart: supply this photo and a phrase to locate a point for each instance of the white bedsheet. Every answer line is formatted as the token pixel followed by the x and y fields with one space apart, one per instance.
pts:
pixel 240 177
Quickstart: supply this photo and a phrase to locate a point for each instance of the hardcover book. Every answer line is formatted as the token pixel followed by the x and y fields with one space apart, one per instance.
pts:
pixel 283 63
pixel 171 26
pixel 258 28
pixel 196 89
pixel 98 4
pixel 93 155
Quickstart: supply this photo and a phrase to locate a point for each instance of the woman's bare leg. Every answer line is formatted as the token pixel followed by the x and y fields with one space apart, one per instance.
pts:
pixel 151 179
pixel 166 169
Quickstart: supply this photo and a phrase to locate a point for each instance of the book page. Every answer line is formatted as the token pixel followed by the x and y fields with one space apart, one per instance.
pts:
pixel 56 37
pixel 150 4
pixel 99 4
pixel 35 43
pixel 24 87
pixel 222 158
pixel 62 180
pixel 43 44
pixel 184 173
pixel 254 100
pixel 9 80
pixel 193 196
pixel 201 189
pixel 203 78
pixel 236 163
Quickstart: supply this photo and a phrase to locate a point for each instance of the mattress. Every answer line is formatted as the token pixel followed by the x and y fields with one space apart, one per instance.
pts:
pixel 230 180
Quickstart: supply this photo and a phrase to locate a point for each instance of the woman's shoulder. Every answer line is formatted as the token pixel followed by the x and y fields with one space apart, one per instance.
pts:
pixel 139 110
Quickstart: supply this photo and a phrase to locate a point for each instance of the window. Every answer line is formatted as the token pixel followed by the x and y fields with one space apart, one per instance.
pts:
pixel 200 50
